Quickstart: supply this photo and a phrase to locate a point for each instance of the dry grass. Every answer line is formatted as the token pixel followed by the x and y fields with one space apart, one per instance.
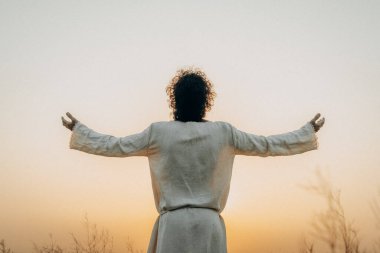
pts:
pixel 3 248
pixel 330 227
pixel 375 206
pixel 52 247
pixel 307 247
pixel 96 241
pixel 131 247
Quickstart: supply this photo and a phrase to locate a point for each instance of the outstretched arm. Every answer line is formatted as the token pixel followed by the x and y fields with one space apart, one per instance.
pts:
pixel 87 140
pixel 295 142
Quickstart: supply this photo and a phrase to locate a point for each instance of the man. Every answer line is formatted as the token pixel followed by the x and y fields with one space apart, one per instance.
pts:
pixel 191 162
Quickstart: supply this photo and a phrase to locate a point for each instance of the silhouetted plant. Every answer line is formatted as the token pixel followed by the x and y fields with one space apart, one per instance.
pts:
pixel 375 206
pixel 3 247
pixel 51 248
pixel 96 242
pixel 331 226
pixel 307 247
pixel 130 247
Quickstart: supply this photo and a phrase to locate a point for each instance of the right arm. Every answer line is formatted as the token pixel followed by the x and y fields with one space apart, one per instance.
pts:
pixel 87 140
pixel 291 143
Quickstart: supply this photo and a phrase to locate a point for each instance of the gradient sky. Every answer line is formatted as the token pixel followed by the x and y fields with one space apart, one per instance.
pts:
pixel 274 65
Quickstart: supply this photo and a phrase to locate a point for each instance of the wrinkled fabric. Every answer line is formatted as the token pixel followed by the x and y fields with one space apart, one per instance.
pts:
pixel 190 167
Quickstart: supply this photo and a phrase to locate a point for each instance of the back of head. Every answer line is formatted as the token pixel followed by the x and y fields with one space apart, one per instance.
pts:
pixel 190 95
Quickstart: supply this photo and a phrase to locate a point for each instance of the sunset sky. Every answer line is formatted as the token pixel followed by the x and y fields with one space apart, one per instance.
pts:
pixel 274 64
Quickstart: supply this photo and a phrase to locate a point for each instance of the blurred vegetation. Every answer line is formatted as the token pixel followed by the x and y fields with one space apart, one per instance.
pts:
pixel 96 241
pixel 375 206
pixel 331 227
pixel 3 248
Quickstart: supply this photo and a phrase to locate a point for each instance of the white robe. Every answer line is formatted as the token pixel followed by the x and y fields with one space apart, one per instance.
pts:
pixel 190 167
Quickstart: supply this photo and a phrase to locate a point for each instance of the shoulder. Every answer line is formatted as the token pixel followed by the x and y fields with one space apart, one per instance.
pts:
pixel 160 124
pixel 224 124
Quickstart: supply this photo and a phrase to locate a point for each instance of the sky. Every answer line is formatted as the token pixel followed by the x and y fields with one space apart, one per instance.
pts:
pixel 274 65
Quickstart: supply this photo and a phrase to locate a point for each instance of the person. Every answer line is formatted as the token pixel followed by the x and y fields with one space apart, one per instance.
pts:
pixel 191 160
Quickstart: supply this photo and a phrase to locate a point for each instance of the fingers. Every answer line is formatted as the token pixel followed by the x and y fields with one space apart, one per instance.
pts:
pixel 65 123
pixel 321 122
pixel 71 117
pixel 68 124
pixel 316 117
pixel 317 124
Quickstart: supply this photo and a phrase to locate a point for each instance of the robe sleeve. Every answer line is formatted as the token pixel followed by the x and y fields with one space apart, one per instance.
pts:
pixel 291 143
pixel 87 140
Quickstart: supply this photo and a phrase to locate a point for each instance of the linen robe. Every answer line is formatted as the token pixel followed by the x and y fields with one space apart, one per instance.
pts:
pixel 190 166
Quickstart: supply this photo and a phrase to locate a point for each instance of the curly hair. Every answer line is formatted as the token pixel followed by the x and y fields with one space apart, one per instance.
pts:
pixel 191 95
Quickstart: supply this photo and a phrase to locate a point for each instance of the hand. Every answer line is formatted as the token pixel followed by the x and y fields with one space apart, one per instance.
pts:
pixel 68 124
pixel 317 124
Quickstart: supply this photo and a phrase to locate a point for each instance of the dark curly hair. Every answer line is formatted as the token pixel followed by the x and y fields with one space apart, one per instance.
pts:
pixel 190 94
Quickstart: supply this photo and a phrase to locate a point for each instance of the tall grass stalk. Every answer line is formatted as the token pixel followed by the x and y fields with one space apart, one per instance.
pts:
pixel 331 226
pixel 375 206
pixel 52 247
pixel 3 247
pixel 96 241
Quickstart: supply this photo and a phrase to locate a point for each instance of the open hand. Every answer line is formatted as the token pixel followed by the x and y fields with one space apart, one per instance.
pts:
pixel 68 124
pixel 317 124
